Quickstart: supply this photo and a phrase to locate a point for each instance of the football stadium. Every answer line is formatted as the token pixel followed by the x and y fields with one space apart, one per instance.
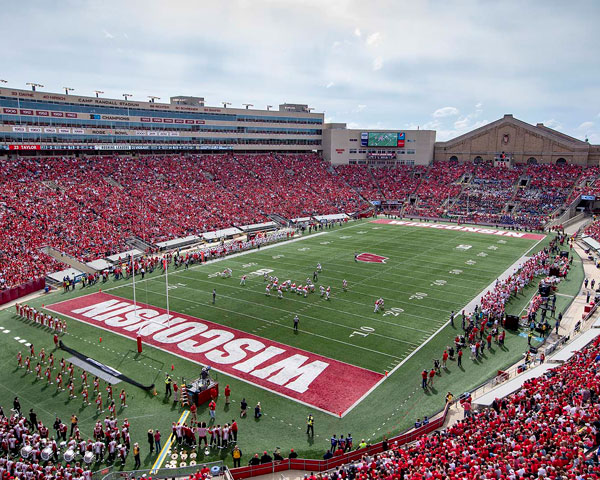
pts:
pixel 195 291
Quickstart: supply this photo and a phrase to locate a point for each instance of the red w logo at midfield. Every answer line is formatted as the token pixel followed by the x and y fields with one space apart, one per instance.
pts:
pixel 371 257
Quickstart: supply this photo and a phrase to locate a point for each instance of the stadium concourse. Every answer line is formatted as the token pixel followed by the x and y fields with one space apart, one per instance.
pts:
pixel 87 207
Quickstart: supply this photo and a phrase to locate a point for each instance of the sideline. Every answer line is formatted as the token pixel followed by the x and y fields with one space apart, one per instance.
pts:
pixel 167 446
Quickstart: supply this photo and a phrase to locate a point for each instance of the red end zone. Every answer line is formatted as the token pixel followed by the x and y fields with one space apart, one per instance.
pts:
pixel 463 228
pixel 329 385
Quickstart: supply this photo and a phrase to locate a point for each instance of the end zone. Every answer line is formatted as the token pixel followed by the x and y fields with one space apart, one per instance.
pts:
pixel 326 384
pixel 463 228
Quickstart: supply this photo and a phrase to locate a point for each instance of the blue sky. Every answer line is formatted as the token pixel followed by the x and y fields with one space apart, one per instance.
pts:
pixel 447 65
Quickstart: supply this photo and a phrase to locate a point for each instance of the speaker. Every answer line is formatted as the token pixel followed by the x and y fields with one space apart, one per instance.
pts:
pixel 511 322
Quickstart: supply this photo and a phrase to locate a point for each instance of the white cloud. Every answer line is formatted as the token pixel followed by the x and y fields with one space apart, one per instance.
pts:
pixel 377 63
pixel 108 34
pixel 336 44
pixel 585 126
pixel 479 105
pixel 357 32
pixel 552 123
pixel 329 85
pixel 360 108
pixel 445 112
pixel 373 39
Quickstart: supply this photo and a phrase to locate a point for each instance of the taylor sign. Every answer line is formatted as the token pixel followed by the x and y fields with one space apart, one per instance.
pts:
pixel 329 385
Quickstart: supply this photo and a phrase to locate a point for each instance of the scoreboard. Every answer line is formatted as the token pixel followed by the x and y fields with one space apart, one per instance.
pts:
pixel 382 139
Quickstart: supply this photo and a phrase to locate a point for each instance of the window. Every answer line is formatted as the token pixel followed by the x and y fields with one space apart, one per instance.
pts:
pixel 410 152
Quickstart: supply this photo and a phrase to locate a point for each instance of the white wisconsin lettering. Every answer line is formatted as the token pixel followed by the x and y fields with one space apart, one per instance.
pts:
pixel 99 308
pixel 181 332
pixel 149 327
pixel 192 346
pixel 131 317
pixel 256 360
pixel 514 234
pixel 233 351
pixel 292 367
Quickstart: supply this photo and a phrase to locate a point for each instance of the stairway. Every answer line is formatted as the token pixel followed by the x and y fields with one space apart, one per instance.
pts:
pixel 113 182
pixel 282 221
pixel 68 259
pixel 136 242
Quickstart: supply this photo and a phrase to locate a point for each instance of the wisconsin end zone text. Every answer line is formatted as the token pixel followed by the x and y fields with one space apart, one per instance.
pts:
pixel 329 385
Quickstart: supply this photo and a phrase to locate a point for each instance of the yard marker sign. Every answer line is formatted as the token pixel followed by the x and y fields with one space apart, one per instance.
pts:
pixel 323 383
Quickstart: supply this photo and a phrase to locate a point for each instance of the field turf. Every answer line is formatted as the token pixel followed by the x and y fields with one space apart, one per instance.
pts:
pixel 427 274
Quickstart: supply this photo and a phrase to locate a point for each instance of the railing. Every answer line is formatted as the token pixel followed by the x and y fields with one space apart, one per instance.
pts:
pixel 314 465
pixel 19 291
pixel 110 473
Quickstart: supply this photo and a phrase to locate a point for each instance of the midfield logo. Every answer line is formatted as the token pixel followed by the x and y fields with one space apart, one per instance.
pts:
pixel 371 258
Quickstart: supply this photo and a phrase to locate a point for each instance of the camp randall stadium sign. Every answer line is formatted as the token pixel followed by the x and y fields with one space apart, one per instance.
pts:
pixel 328 385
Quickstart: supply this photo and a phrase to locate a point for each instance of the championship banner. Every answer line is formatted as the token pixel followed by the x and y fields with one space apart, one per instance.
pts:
pixel 329 385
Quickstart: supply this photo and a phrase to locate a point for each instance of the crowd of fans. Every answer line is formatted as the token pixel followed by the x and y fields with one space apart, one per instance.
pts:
pixel 89 207
pixel 548 429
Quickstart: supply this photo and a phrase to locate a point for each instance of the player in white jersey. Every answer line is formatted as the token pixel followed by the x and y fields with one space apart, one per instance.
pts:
pixel 243 280
pixel 319 268
pixel 322 290
pixel 345 285
pixel 226 273
pixel 265 276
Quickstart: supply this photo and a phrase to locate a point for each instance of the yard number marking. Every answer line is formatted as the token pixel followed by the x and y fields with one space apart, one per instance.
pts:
pixel 363 332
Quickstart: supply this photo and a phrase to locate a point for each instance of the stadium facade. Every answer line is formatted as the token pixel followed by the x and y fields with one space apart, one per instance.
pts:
pixel 36 122
pixel 53 123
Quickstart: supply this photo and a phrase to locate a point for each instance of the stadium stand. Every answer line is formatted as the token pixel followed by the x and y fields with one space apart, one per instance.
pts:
pixel 88 207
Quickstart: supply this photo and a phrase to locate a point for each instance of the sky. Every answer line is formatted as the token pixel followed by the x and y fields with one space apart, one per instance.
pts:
pixel 447 65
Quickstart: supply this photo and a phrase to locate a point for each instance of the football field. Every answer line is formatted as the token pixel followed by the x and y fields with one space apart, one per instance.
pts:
pixel 355 370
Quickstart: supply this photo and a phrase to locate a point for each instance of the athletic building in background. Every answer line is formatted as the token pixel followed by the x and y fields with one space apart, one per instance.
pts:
pixel 55 123
pixel 518 142
pixel 342 145
pixel 36 122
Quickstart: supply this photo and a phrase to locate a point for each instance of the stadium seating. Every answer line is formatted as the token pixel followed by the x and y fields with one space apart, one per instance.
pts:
pixel 545 430
pixel 89 207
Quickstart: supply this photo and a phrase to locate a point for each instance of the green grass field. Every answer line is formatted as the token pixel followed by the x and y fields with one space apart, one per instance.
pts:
pixel 425 277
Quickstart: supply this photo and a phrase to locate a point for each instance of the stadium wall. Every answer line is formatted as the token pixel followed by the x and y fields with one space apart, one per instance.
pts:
pixel 342 145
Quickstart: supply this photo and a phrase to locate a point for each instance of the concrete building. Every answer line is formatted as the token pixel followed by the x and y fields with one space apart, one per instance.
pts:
pixel 342 145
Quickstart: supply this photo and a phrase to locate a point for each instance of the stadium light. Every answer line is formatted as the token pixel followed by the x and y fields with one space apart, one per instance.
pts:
pixel 152 98
pixel 127 95
pixel 34 85
pixel 225 104
pixel 3 81
pixel 269 107
pixel 309 109
pixel 247 105
pixel 68 89
pixel 97 92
